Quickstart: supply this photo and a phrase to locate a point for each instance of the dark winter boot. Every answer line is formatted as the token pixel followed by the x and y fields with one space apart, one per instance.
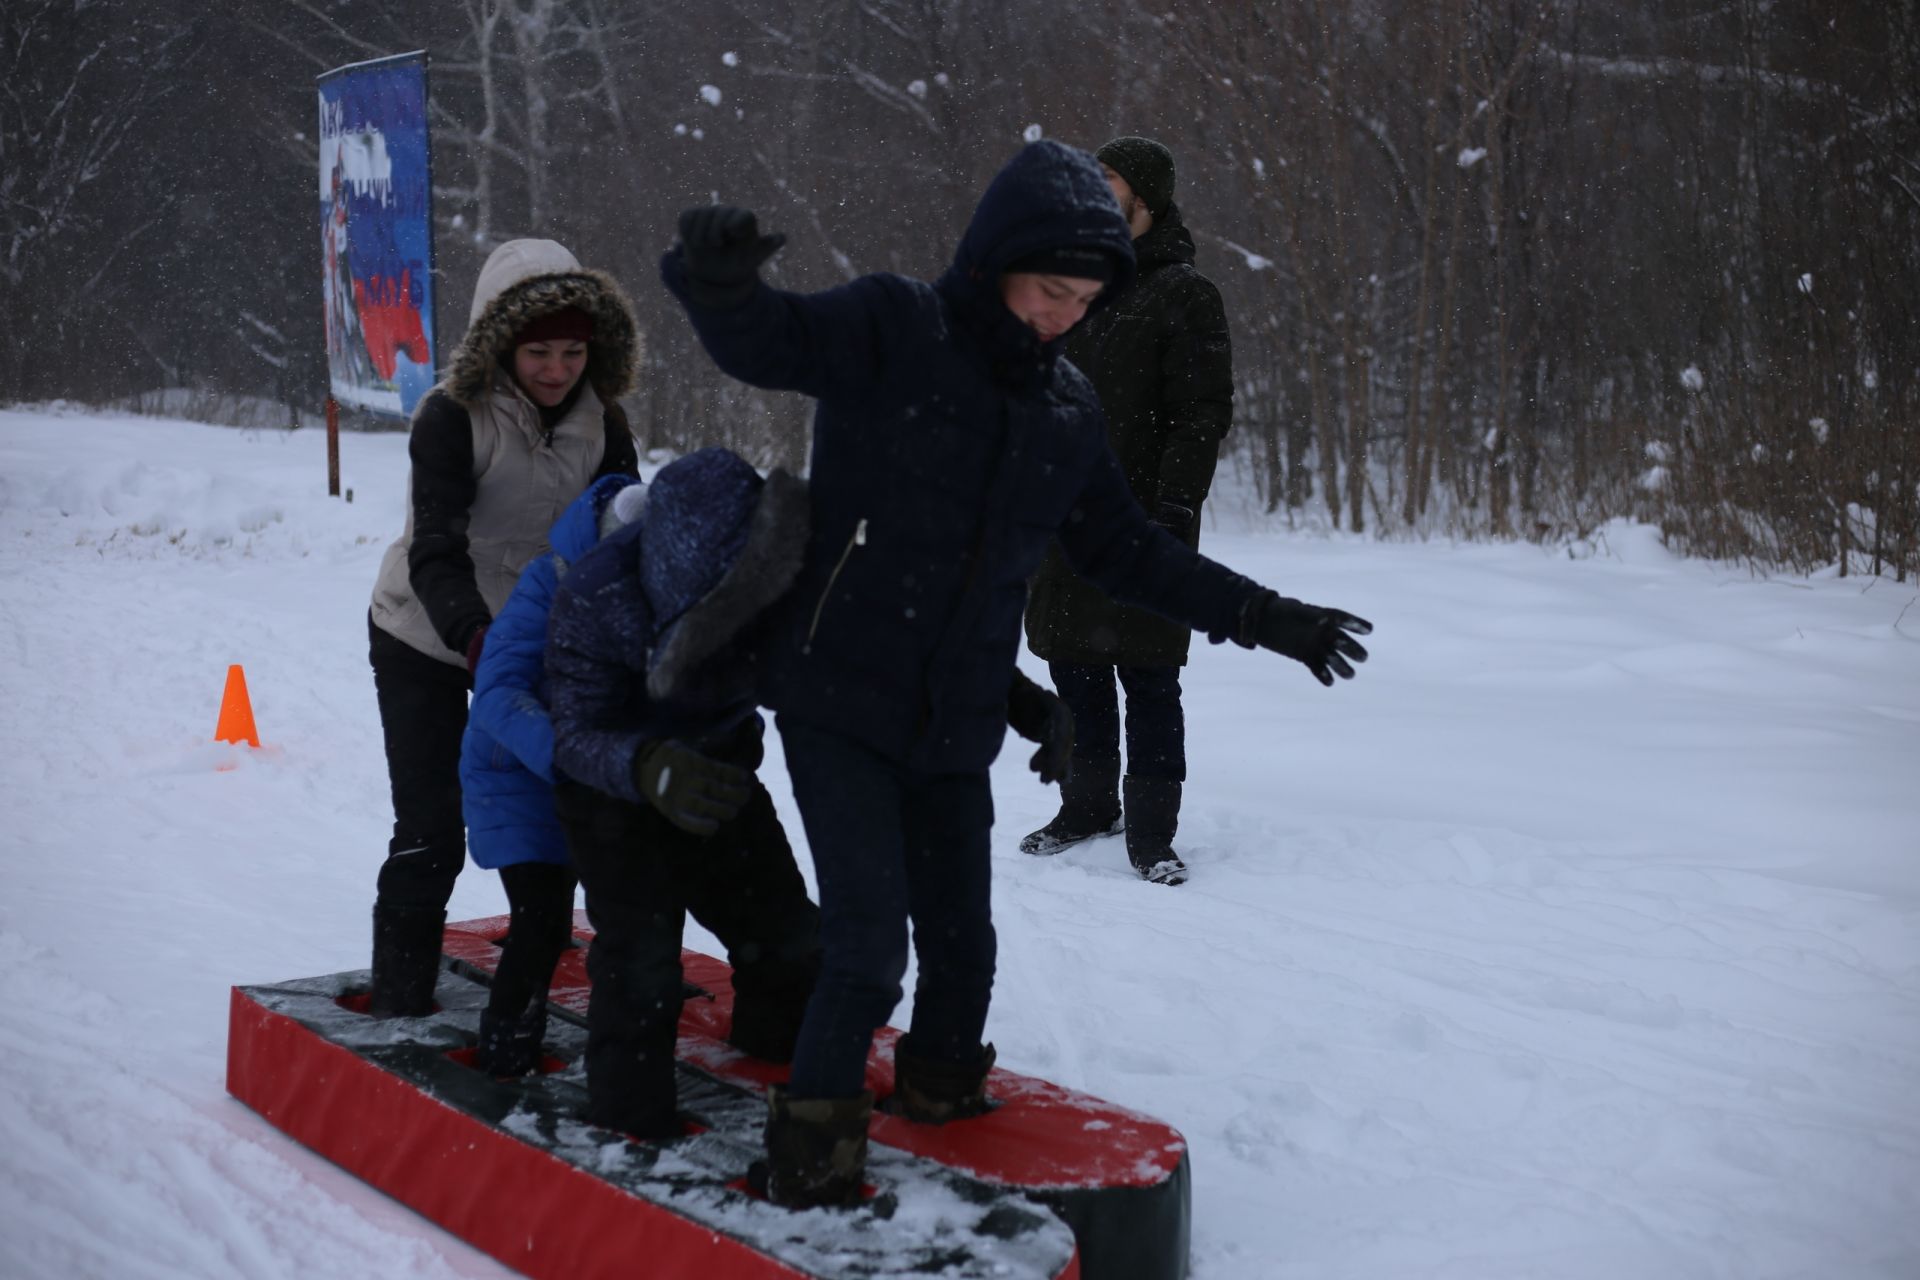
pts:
pixel 1153 815
pixel 768 1007
pixel 406 961
pixel 1089 807
pixel 816 1150
pixel 511 1046
pixel 928 1091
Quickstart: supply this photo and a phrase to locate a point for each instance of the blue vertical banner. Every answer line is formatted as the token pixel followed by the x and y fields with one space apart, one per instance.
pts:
pixel 376 229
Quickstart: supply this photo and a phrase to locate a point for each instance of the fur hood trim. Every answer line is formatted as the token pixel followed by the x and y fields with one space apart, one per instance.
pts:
pixel 767 566
pixel 612 357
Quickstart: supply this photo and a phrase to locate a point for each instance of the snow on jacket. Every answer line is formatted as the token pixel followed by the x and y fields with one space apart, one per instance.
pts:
pixel 506 755
pixel 950 446
pixel 488 476
pixel 645 641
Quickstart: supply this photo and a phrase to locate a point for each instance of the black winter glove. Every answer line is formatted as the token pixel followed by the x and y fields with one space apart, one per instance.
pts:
pixel 1038 715
pixel 724 250
pixel 1307 633
pixel 1175 517
pixel 696 793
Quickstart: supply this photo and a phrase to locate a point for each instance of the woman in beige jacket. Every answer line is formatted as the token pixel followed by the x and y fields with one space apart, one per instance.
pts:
pixel 523 420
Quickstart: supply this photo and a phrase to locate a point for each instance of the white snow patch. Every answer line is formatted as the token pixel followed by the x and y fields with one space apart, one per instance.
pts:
pixel 1579 936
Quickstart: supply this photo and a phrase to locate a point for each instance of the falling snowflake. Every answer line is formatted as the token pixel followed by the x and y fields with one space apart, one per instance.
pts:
pixel 711 94
pixel 918 88
pixel 1692 379
pixel 1032 133
pixel 1472 156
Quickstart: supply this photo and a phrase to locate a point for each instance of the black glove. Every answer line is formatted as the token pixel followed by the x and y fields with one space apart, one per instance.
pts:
pixel 696 793
pixel 724 250
pixel 1038 715
pixel 1175 517
pixel 1306 633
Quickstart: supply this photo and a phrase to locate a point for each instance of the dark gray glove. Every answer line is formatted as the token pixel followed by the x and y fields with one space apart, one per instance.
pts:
pixel 724 251
pixel 1038 715
pixel 1307 633
pixel 696 793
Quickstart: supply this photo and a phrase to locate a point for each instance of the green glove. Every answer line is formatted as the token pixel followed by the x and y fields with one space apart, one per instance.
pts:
pixel 696 793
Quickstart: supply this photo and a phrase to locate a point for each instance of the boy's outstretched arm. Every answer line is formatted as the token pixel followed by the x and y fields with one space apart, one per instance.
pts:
pixel 1108 538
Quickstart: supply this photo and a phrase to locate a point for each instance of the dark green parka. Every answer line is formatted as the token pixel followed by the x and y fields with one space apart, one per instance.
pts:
pixel 1161 362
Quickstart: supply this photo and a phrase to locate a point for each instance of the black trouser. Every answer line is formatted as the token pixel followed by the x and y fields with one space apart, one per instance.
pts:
pixel 540 925
pixel 423 712
pixel 891 845
pixel 642 876
pixel 1156 725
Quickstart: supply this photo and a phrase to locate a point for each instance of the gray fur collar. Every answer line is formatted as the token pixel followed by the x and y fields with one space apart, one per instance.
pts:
pixel 612 357
pixel 768 564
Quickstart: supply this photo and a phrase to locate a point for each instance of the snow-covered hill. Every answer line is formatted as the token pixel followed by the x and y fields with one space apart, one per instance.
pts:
pixel 1578 937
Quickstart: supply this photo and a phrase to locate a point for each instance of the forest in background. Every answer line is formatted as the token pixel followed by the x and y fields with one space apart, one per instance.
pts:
pixel 1494 269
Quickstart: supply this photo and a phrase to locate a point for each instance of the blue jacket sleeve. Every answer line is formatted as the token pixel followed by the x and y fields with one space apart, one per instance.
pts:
pixel 506 696
pixel 829 345
pixel 1108 538
pixel 590 684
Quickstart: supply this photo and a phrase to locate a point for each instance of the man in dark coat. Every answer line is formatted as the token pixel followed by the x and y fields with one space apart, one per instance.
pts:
pixel 950 446
pixel 1161 362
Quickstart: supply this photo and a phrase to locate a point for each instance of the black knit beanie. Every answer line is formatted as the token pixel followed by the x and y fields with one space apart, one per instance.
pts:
pixel 1146 165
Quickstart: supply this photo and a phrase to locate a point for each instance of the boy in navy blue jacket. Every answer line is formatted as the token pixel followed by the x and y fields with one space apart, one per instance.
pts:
pixel 951 445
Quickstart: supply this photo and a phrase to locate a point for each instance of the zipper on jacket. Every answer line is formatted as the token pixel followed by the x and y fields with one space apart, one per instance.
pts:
pixel 859 539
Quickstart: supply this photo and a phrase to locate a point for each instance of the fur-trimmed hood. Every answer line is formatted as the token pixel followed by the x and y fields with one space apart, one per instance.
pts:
pixel 523 280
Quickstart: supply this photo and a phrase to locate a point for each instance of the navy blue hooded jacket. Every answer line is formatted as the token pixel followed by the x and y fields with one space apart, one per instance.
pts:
pixel 950 446
pixel 506 755
pixel 641 642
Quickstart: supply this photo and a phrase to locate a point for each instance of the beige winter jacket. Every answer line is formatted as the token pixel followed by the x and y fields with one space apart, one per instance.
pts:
pixel 520 477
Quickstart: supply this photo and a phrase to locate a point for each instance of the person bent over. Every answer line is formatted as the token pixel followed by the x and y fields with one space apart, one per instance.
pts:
pixel 951 445
pixel 656 739
pixel 506 784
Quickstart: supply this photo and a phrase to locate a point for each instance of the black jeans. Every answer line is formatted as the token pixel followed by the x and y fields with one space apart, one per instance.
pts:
pixel 642 876
pixel 890 846
pixel 1156 724
pixel 540 926
pixel 423 713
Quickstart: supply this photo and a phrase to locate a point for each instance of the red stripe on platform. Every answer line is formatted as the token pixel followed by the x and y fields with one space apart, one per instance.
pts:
pixel 483 1185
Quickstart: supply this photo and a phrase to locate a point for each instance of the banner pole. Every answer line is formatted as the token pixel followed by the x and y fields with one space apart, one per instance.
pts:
pixel 333 446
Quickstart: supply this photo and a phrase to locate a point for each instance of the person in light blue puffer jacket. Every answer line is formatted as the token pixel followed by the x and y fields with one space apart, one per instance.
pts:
pixel 506 782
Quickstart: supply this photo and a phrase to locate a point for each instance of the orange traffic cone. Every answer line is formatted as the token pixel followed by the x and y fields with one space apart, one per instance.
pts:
pixel 236 711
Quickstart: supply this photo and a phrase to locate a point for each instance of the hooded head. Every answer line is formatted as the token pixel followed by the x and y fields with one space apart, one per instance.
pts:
pixel 1050 203
pixel 607 504
pixel 719 545
pixel 532 286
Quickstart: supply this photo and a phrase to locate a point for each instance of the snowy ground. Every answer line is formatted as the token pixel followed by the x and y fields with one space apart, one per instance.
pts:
pixel 1579 937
